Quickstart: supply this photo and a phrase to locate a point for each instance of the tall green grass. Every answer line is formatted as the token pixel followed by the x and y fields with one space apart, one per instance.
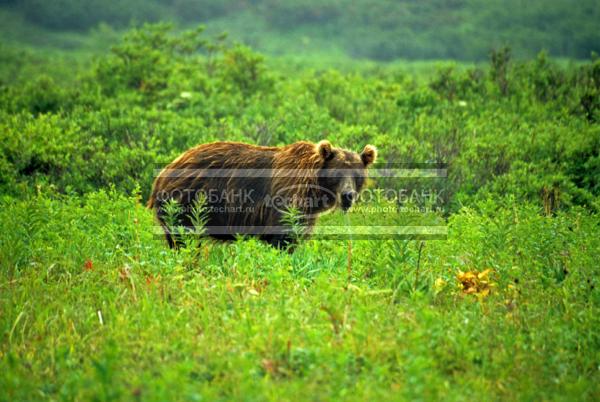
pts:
pixel 95 307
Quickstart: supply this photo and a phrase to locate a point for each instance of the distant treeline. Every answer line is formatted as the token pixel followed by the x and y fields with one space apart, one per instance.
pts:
pixel 381 30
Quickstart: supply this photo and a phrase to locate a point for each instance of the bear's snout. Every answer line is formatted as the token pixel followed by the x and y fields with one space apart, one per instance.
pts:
pixel 348 197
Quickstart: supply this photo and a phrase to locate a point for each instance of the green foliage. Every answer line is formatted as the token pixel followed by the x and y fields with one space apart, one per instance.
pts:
pixel 199 214
pixel 293 219
pixel 515 128
pixel 84 14
pixel 172 211
pixel 244 320
pixel 382 30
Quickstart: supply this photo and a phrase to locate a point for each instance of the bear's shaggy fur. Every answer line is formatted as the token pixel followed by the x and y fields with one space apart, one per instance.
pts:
pixel 248 188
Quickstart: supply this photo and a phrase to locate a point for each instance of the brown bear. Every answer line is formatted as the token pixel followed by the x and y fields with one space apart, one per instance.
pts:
pixel 248 188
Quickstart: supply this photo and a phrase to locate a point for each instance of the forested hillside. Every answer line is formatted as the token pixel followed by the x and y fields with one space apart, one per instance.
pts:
pixel 381 30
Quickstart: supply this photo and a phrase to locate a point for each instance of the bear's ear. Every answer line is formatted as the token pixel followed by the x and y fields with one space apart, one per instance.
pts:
pixel 368 155
pixel 325 149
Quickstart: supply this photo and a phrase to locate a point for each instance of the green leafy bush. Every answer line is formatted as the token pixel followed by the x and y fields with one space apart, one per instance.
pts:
pixel 518 130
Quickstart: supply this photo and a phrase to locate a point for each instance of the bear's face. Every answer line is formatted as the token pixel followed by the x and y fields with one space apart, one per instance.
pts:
pixel 343 174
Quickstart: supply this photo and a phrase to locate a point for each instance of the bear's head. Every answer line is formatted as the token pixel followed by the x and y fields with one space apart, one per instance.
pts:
pixel 343 174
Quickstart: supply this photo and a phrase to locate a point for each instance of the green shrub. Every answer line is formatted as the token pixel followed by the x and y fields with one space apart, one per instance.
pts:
pixel 517 129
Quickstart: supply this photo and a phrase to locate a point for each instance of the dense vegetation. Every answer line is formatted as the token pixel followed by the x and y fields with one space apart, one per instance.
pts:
pixel 93 306
pixel 512 129
pixel 384 30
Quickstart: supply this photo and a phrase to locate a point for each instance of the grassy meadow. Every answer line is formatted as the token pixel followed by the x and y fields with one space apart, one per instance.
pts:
pixel 95 306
